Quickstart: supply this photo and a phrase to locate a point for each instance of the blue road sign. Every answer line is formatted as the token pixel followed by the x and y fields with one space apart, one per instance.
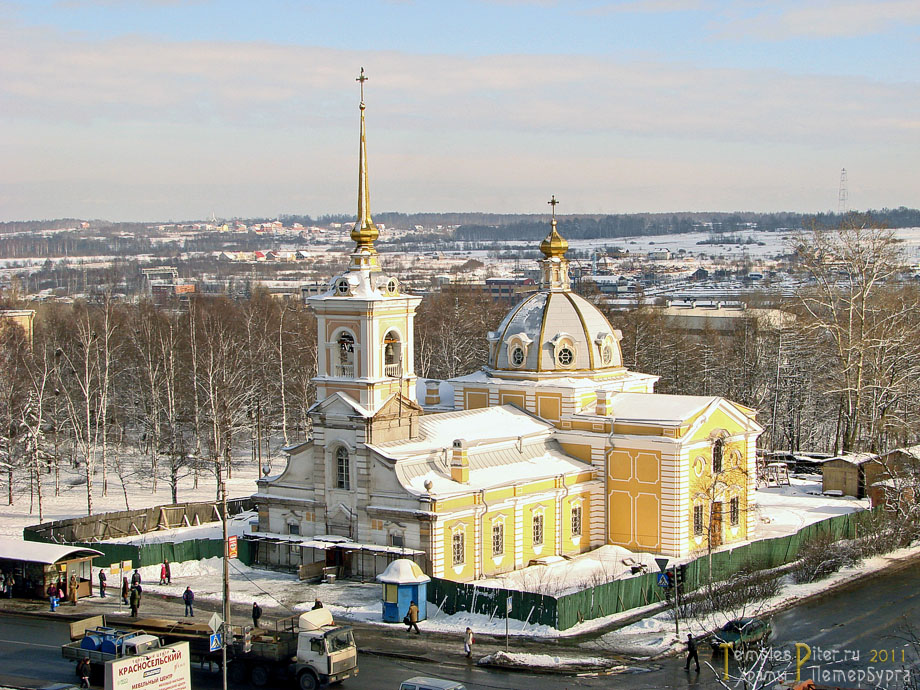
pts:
pixel 215 642
pixel 662 580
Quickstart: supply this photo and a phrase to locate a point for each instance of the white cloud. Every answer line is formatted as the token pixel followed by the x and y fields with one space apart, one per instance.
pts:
pixel 179 128
pixel 776 21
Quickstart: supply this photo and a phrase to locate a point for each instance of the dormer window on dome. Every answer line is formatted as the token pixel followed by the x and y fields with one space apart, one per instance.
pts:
pixel 564 351
pixel 608 353
pixel 518 349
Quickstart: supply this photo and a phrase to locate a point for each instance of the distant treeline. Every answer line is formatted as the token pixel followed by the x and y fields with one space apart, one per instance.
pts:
pixel 633 224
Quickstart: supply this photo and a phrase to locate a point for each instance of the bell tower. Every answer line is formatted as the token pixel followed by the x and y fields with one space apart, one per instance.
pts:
pixel 365 323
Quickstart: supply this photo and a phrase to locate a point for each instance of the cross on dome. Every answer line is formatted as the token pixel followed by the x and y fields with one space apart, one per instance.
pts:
pixel 554 244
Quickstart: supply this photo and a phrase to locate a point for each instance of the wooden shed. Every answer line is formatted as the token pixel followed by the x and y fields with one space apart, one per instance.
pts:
pixel 851 474
pixel 35 565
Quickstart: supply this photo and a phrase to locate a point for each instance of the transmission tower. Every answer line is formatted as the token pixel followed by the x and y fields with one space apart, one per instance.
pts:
pixel 842 208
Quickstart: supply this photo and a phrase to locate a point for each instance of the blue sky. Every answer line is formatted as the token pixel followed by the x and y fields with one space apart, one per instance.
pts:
pixel 162 109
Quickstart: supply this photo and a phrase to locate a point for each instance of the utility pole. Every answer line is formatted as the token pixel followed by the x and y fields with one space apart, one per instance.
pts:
pixel 225 629
pixel 676 609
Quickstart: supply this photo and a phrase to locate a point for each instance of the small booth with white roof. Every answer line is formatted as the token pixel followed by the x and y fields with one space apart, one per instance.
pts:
pixel 403 582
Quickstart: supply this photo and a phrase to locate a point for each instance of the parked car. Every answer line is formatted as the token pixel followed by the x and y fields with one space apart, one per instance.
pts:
pixel 420 683
pixel 741 632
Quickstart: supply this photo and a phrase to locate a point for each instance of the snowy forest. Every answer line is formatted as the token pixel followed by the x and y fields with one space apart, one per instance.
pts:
pixel 188 390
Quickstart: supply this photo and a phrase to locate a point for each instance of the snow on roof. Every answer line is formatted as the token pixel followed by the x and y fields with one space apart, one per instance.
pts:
pixel 488 468
pixel 38 552
pixel 658 407
pixel 476 427
pixel 402 571
pixel 853 458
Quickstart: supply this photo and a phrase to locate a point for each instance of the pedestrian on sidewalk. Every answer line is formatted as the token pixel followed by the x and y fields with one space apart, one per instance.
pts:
pixel 256 614
pixel 83 670
pixel 411 618
pixel 53 595
pixel 135 600
pixel 10 581
pixel 691 653
pixel 136 578
pixel 72 590
pixel 125 589
pixel 188 596
pixel 468 643
pixel 102 579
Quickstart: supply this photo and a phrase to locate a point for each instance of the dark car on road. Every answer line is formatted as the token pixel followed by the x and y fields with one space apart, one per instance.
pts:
pixel 741 632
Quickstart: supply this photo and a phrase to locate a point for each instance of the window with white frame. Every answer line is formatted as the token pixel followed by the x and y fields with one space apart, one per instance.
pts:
pixel 498 537
pixel 293 528
pixel 342 469
pixel 458 547
pixel 698 520
pixel 576 519
pixel 538 528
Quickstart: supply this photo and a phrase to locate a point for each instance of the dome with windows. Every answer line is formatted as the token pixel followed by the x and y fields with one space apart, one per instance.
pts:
pixel 555 333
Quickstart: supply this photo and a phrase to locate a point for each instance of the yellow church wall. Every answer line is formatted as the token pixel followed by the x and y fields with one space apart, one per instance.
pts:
pixel 511 397
pixel 475 399
pixel 452 571
pixel 637 430
pixel 492 564
pixel 719 419
pixel 570 543
pixel 549 406
pixel 582 451
pixel 706 489
pixel 549 530
pixel 634 498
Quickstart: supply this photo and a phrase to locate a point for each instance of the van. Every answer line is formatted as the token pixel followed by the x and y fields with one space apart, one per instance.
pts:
pixel 420 683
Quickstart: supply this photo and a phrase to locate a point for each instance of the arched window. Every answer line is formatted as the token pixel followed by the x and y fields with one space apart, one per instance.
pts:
pixel 342 469
pixel 392 354
pixel 346 364
pixel 718 450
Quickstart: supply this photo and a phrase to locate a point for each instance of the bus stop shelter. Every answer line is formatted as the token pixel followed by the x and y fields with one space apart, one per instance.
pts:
pixel 35 565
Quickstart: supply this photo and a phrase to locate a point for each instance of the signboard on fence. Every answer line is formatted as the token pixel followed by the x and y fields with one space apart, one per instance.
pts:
pixel 231 547
pixel 167 668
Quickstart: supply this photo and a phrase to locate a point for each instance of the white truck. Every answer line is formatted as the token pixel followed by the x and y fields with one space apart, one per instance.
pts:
pixel 309 648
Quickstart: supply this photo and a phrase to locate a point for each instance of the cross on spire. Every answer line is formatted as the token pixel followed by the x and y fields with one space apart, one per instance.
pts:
pixel 362 79
pixel 552 202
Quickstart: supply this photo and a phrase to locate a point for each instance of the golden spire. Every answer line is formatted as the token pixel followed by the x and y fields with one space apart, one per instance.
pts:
pixel 365 232
pixel 554 244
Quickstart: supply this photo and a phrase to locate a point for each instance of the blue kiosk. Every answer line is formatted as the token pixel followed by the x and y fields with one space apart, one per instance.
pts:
pixel 403 582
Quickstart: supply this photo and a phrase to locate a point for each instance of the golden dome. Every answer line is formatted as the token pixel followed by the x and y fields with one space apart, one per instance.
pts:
pixel 554 244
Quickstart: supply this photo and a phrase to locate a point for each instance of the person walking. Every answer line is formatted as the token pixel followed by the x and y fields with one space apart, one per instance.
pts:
pixel 53 595
pixel 412 618
pixel 135 600
pixel 102 579
pixel 317 604
pixel 125 589
pixel 188 596
pixel 83 670
pixel 256 614
pixel 691 653
pixel 72 590
pixel 168 571
pixel 163 573
pixel 136 578
pixel 468 643
pixel 10 581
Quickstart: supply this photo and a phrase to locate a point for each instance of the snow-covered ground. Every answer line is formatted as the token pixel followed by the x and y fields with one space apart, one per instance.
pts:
pixel 783 510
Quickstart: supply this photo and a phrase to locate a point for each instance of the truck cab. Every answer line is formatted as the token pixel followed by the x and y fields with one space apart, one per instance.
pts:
pixel 326 652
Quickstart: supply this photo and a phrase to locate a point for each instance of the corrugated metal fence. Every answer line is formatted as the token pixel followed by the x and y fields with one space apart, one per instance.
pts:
pixel 567 610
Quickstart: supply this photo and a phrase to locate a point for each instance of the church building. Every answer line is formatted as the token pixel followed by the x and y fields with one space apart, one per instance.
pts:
pixel 553 448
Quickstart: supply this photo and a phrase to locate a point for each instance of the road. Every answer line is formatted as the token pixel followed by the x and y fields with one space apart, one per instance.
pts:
pixel 852 625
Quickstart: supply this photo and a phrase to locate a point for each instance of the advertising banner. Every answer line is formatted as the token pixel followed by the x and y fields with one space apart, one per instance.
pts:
pixel 168 668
